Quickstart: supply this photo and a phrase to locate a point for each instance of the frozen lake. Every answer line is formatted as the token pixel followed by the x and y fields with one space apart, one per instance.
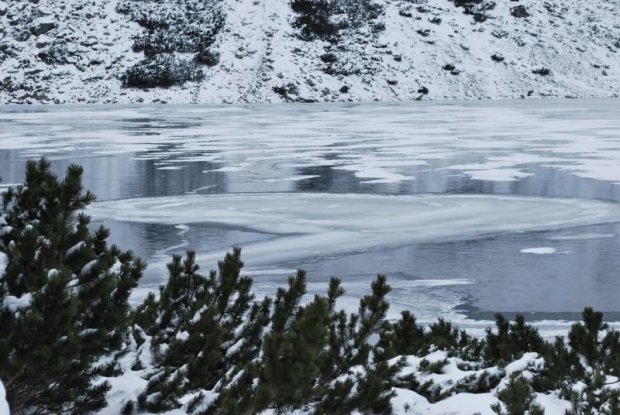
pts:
pixel 470 208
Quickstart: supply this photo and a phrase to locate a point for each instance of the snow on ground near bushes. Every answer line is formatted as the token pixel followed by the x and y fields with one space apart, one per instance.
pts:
pixel 578 41
pixel 4 405
pixel 405 402
pixel 3 259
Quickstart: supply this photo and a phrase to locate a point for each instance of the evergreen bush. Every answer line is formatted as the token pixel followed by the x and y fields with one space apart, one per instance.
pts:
pixel 64 295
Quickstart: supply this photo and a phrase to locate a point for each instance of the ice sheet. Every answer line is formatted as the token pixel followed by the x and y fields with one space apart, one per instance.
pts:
pixel 378 143
pixel 319 225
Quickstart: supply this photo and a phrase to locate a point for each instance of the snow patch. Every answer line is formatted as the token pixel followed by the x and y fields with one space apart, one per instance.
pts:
pixel 14 304
pixel 3 263
pixel 4 405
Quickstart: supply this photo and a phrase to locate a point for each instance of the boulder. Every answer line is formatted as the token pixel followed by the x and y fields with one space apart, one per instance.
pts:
pixel 42 27
pixel 519 11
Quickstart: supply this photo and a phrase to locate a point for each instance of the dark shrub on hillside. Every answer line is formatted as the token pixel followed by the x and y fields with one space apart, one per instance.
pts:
pixel 542 71
pixel 476 8
pixel 56 54
pixel 185 26
pixel 519 11
pixel 329 57
pixel 314 19
pixel 186 39
pixel 286 90
pixel 162 71
pixel 6 51
pixel 207 57
pixel 359 11
pixel 317 18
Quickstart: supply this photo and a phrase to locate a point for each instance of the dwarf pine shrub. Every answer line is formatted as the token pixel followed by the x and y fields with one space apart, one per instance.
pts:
pixel 64 295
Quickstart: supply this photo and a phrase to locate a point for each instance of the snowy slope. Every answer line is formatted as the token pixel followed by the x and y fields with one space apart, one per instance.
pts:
pixel 578 41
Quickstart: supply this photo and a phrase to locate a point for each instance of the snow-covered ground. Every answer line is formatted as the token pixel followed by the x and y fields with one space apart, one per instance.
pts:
pixel 405 402
pixel 4 406
pixel 579 42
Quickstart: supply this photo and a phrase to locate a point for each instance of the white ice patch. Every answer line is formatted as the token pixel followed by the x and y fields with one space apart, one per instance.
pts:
pixel 539 251
pixel 307 227
pixel 385 143
pixel 582 237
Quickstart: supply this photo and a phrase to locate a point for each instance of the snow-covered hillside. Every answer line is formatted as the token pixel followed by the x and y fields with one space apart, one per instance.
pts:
pixel 427 49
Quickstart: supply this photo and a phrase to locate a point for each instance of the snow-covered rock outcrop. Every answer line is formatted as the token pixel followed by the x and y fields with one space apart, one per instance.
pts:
pixel 73 51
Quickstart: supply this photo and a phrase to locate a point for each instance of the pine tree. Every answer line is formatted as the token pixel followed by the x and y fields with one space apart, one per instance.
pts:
pixel 599 347
pixel 562 368
pixel 294 349
pixel 315 357
pixel 201 328
pixel 64 295
pixel 517 398
pixel 511 340
pixel 368 389
pixel 403 338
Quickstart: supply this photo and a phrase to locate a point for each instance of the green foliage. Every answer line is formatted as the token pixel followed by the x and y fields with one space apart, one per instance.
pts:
pixel 599 347
pixel 404 337
pixel 193 325
pixel 584 338
pixel 443 335
pixel 483 383
pixel 517 398
pixel 562 367
pixel 64 292
pixel 293 349
pixel 316 355
pixel 511 340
